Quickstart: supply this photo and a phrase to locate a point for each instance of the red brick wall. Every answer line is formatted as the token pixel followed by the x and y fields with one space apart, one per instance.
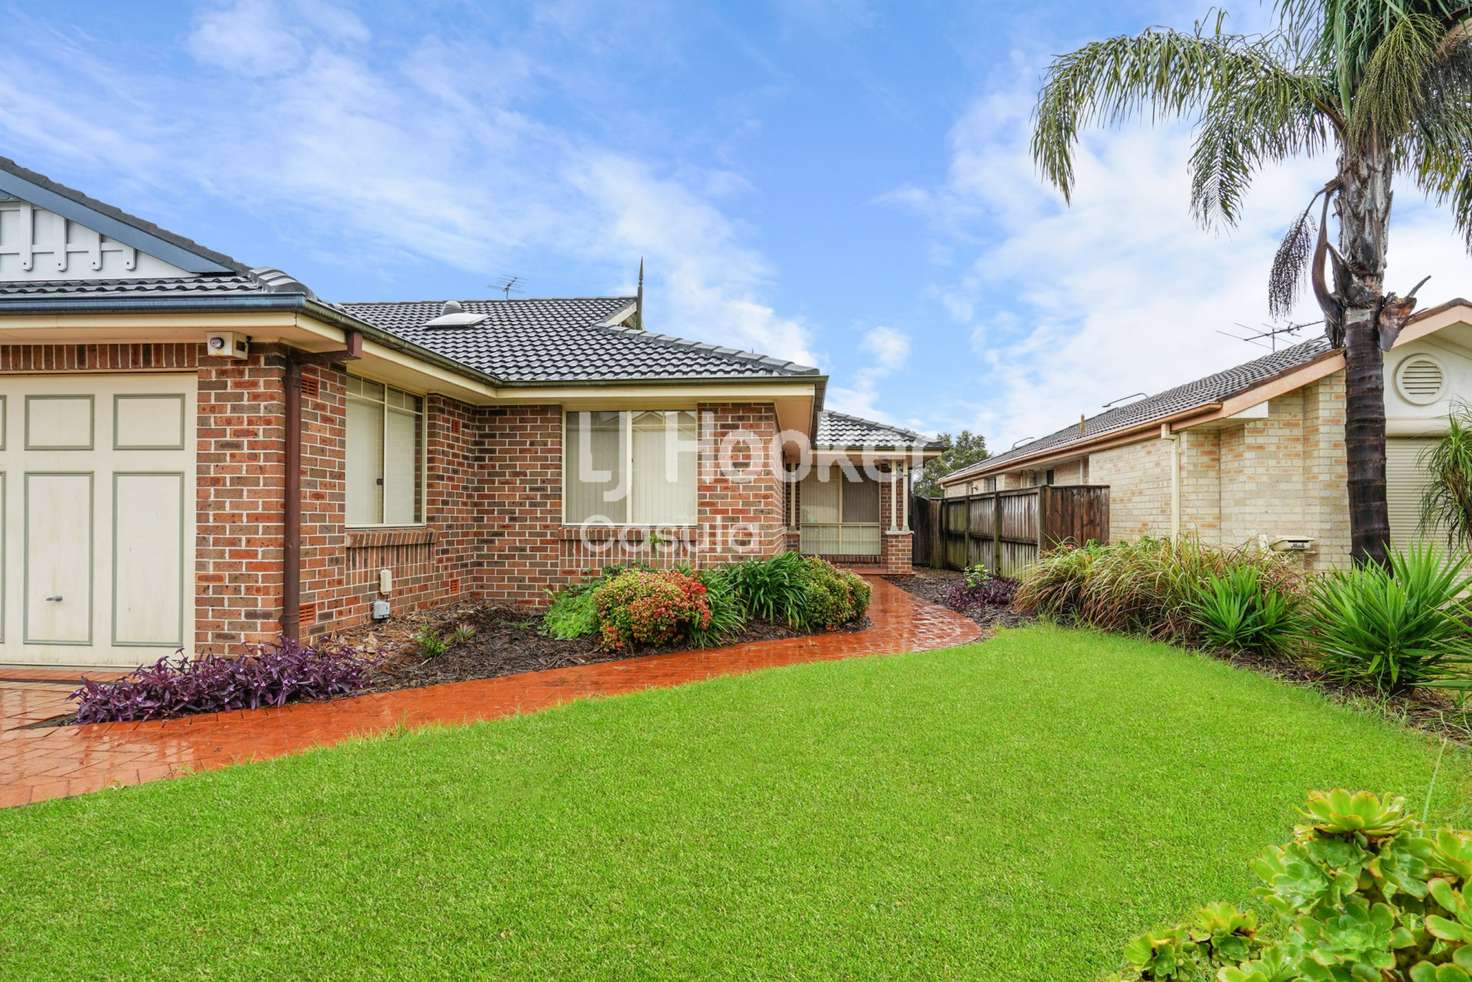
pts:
pixel 493 497
pixel 241 474
pixel 742 490
pixel 240 454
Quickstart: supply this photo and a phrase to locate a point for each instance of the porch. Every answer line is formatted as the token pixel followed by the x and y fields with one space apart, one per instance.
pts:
pixel 848 497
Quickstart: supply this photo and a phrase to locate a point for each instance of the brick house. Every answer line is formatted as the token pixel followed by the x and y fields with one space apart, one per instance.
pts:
pixel 1254 455
pixel 195 453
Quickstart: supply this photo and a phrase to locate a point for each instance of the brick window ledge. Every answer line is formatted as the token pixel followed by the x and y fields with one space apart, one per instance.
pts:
pixel 628 533
pixel 369 538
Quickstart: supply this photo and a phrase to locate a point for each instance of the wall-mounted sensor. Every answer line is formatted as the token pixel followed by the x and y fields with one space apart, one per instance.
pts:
pixel 227 344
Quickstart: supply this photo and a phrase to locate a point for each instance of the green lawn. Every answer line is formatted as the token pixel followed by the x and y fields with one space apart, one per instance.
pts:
pixel 1009 810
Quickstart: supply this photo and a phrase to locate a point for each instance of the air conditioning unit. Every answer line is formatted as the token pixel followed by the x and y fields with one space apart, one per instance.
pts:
pixel 227 344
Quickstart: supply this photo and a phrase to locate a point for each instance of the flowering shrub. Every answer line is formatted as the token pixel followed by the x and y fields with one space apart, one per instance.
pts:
pixel 969 598
pixel 1363 891
pixel 642 608
pixel 264 675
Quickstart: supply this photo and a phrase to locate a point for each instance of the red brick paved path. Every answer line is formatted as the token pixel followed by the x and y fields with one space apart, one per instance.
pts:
pixel 53 762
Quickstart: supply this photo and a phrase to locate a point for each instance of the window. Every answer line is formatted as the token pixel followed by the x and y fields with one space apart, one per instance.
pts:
pixel 630 468
pixel 1049 476
pixel 989 484
pixel 385 455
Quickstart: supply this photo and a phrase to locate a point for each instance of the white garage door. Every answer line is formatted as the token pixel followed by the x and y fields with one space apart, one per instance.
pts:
pixel 97 492
pixel 1405 482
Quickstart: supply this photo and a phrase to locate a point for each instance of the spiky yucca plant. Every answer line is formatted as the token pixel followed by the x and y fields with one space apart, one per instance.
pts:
pixel 1384 84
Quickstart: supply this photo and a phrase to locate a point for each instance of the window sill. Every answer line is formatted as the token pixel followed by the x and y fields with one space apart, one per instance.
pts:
pixel 365 537
pixel 629 533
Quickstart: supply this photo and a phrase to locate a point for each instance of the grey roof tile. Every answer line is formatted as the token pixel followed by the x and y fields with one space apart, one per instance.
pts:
pixel 262 281
pixel 842 430
pixel 1200 392
pixel 564 340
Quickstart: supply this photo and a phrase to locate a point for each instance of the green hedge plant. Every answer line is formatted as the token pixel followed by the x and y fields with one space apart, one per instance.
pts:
pixel 1395 628
pixel 1243 614
pixel 1362 892
pixel 1148 587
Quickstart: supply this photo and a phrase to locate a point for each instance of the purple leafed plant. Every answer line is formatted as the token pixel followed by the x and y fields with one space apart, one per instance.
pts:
pixel 264 675
pixel 995 592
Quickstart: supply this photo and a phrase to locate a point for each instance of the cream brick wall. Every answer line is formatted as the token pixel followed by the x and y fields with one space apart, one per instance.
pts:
pixel 1138 476
pixel 1326 471
pixel 1073 472
pixel 1201 485
pixel 1262 475
pixel 1284 475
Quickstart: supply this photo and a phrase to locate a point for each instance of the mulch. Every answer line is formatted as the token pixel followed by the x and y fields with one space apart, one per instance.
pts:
pixel 506 642
pixel 932 585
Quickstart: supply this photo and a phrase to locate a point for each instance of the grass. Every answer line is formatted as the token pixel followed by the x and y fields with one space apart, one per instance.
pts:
pixel 1015 809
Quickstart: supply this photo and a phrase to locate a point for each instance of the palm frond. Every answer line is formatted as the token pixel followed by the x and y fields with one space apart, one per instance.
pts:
pixel 1446 506
pixel 1269 116
pixel 1438 149
pixel 1163 72
pixel 1392 91
pixel 1290 262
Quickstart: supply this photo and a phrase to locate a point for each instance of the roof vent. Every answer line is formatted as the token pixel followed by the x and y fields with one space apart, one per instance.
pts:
pixel 454 314
pixel 1420 380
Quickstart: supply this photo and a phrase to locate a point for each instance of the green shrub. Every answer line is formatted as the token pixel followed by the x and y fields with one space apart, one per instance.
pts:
pixel 975 575
pixel 1241 613
pixel 640 608
pixel 1396 628
pixel 1054 586
pixel 572 613
pixel 1446 506
pixel 1149 587
pixel 772 589
pixel 727 609
pixel 831 597
pixel 1361 892
pixel 429 643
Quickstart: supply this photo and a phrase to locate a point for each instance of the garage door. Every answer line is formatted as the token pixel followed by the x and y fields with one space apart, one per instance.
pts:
pixel 1405 481
pixel 96 491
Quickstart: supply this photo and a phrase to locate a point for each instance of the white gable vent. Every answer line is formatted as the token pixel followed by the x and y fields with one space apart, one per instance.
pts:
pixel 1420 380
pixel 454 314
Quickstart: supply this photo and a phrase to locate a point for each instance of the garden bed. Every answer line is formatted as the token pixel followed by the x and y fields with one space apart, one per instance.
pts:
pixel 506 642
pixel 937 585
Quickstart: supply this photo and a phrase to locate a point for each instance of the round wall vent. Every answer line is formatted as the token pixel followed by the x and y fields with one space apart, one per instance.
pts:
pixel 1420 380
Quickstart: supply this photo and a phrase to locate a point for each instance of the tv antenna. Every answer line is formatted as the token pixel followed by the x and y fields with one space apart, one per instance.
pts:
pixel 1266 335
pixel 508 283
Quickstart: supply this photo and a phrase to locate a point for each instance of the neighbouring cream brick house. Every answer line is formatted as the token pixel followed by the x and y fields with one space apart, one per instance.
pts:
pixel 1254 455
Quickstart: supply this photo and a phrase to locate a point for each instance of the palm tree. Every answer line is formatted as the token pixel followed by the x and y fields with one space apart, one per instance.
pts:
pixel 1385 84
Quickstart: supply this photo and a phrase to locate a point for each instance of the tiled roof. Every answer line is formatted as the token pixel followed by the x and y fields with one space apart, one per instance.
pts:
pixel 842 430
pixel 564 340
pixel 260 281
pixel 117 214
pixel 1201 392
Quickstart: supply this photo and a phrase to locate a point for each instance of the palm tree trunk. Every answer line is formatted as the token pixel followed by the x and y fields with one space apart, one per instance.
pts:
pixel 1364 223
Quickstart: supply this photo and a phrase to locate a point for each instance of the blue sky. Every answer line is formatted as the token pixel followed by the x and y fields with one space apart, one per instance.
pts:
pixel 835 181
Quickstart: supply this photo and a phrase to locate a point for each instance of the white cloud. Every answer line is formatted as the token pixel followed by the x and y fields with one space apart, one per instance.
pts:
pixel 1071 307
pixel 246 36
pixel 887 350
pixel 378 160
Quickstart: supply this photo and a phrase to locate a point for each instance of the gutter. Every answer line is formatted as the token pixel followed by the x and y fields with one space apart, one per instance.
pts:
pixel 1066 449
pixel 279 302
